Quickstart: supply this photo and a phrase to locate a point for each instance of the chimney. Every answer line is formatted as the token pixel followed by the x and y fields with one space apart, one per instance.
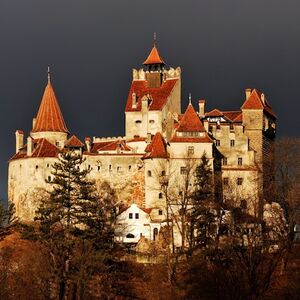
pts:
pixel 19 140
pixel 145 102
pixel 33 122
pixel 263 98
pixel 88 144
pixel 29 146
pixel 201 108
pixel 248 93
pixel 133 100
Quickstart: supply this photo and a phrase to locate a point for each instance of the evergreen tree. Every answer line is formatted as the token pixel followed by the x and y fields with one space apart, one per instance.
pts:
pixel 203 213
pixel 72 221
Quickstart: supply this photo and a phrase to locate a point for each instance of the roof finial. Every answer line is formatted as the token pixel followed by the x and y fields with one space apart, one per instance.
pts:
pixel 190 98
pixel 154 38
pixel 49 74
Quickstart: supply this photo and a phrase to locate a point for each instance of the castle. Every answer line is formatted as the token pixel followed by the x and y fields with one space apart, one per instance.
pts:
pixel 160 141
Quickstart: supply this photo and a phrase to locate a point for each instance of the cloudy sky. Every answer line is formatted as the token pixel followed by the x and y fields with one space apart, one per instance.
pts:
pixel 222 46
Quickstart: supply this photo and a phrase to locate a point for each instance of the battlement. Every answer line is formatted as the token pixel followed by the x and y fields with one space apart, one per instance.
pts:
pixel 167 74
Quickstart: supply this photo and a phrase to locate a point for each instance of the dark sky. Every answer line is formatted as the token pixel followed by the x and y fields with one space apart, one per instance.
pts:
pixel 222 46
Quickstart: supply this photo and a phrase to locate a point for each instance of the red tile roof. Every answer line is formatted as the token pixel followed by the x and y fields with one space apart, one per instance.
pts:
pixel 190 121
pixel 239 118
pixel 157 148
pixel 254 101
pixel 110 146
pixel 159 95
pixel 41 148
pixel 231 115
pixel 49 117
pixel 153 57
pixel 214 113
pixel 74 141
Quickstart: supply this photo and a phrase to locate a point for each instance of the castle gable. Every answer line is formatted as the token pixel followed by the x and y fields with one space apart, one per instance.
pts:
pixel 157 148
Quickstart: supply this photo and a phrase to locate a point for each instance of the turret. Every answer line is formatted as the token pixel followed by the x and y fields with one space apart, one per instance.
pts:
pixel 49 122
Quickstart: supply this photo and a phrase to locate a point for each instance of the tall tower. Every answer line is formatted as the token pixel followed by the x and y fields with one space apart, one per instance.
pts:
pixel 49 123
pixel 153 99
pixel 259 123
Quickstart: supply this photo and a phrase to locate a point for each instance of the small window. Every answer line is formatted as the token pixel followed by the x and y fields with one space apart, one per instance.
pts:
pixel 57 144
pixel 129 167
pixel 244 204
pixel 183 170
pixel 160 195
pixel 48 165
pixel 130 236
pixel 138 122
pixel 217 143
pixel 239 181
pixel 151 121
pixel 180 193
pixel 49 178
pixel 89 167
pixel 36 167
pixel 119 169
pixel 163 173
pixel 99 168
pixel 190 150
pixel 110 168
pixel 224 161
pixel 225 181
pixel 160 212
pixel 210 128
pixel 232 143
pixel 130 215
pixel 231 127
pixel 137 215
pixel 240 161
pixel 218 127
pixel 149 173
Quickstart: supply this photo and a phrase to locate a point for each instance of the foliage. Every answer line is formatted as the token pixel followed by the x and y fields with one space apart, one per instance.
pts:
pixel 74 225
pixel 203 215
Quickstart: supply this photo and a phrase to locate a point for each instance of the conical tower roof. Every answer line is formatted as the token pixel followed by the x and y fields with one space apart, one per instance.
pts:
pixel 190 121
pixel 49 117
pixel 154 58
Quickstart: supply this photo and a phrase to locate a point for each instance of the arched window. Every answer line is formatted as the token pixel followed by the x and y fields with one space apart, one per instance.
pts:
pixel 149 173
pixel 160 195
pixel 130 236
pixel 163 173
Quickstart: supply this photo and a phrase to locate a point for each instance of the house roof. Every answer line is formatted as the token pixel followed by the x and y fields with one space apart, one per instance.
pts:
pixel 157 148
pixel 153 57
pixel 49 117
pixel 41 148
pixel 190 122
pixel 254 101
pixel 110 146
pixel 74 141
pixel 158 95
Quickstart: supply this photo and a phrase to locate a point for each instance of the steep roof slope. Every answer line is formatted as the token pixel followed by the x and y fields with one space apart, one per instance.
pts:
pixel 49 117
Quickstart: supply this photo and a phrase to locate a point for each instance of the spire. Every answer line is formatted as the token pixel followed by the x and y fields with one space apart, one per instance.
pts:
pixel 49 117
pixel 154 57
pixel 190 98
pixel 49 75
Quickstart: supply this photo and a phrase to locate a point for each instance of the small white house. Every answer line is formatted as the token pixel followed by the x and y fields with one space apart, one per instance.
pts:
pixel 133 223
